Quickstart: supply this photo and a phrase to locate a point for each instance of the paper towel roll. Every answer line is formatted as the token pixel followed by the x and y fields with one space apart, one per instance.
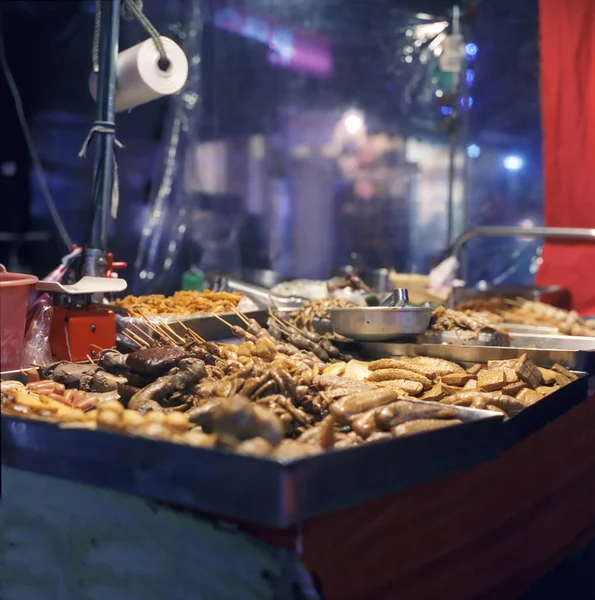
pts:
pixel 139 78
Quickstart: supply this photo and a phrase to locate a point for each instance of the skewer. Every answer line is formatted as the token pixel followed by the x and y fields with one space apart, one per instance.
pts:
pixel 140 330
pixel 96 346
pixel 224 321
pixel 239 315
pixel 169 329
pixel 132 340
pixel 90 359
pixel 280 324
pixel 164 333
pixel 192 333
pixel 158 331
pixel 138 340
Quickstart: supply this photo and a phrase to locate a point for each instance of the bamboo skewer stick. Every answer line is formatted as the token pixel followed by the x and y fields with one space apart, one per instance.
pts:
pixel 173 333
pixel 140 341
pixel 223 321
pixel 132 340
pixel 192 333
pixel 150 340
pixel 239 315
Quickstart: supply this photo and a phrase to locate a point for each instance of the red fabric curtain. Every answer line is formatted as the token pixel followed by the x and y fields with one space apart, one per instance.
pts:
pixel 567 37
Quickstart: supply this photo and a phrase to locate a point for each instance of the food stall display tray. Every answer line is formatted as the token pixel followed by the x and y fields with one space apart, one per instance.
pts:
pixel 532 418
pixel 208 327
pixel 246 488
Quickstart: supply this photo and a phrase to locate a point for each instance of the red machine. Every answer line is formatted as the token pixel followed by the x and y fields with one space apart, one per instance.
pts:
pixel 79 332
pixel 81 327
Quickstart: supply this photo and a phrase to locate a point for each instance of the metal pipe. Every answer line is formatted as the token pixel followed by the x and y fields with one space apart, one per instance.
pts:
pixel 548 233
pixel 104 154
pixel 454 134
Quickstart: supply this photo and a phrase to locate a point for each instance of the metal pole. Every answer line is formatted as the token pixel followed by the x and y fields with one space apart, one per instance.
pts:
pixel 103 179
pixel 548 233
pixel 456 30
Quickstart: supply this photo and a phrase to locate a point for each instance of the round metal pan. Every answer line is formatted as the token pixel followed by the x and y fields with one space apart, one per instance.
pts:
pixel 379 323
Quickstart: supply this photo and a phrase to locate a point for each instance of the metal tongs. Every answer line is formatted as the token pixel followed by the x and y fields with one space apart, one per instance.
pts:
pixel 259 295
pixel 397 299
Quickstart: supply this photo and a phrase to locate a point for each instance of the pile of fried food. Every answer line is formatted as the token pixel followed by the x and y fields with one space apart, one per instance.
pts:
pixel 283 392
pixel 181 303
pixel 526 312
pixel 447 319
pixel 504 386
pixel 306 316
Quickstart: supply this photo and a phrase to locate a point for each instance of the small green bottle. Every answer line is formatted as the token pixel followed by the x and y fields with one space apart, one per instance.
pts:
pixel 193 280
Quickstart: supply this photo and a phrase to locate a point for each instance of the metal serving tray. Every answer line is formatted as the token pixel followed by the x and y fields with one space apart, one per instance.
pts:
pixel 553 342
pixel 520 328
pixel 532 418
pixel 246 488
pixel 575 360
pixel 208 327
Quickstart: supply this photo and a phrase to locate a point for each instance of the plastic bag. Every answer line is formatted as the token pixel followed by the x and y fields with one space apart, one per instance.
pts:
pixel 37 351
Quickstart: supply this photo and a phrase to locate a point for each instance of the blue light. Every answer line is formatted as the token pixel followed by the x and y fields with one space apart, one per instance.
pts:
pixel 469 101
pixel 473 151
pixel 446 110
pixel 513 163
pixel 471 50
pixel 470 76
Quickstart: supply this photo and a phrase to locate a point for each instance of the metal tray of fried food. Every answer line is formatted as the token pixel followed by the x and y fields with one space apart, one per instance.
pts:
pixel 553 342
pixel 207 326
pixel 514 328
pixel 532 418
pixel 245 488
pixel 463 337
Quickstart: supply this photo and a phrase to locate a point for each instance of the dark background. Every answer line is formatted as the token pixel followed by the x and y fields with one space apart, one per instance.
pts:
pixel 48 47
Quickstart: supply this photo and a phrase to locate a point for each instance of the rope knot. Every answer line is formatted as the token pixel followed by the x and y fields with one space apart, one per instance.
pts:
pixel 131 8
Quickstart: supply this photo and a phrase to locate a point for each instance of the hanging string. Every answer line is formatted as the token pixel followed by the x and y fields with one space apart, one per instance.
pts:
pixel 130 9
pixel 133 9
pixel 106 127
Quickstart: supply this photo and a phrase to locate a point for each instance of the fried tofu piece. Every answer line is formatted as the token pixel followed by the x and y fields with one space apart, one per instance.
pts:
pixel 510 363
pixel 449 390
pixel 512 389
pixel 434 394
pixel 545 390
pixel 549 376
pixel 475 369
pixel 529 396
pixel 457 379
pixel 471 385
pixel 491 380
pixel 569 374
pixel 511 375
pixel 528 372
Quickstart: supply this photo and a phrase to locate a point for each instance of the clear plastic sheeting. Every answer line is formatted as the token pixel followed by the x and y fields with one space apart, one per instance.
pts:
pixel 165 225
pixel 314 135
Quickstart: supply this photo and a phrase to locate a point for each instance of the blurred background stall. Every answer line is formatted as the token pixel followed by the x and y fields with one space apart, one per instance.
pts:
pixel 311 134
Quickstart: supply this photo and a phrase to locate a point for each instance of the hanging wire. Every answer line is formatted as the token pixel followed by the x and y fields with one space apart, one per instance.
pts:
pixel 33 154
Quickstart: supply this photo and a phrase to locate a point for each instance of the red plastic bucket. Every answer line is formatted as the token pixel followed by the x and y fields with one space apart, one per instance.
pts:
pixel 15 289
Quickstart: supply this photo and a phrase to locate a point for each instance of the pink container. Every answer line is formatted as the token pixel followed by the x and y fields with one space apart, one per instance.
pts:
pixel 15 289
